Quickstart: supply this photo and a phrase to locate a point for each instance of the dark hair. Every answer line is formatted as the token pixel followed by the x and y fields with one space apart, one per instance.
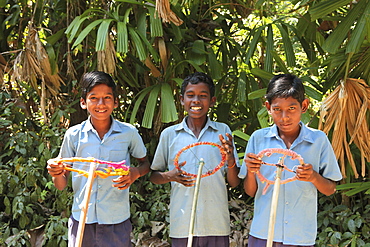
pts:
pixel 196 78
pixel 284 86
pixel 91 79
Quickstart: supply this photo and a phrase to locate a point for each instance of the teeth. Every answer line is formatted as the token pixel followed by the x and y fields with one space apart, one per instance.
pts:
pixel 196 108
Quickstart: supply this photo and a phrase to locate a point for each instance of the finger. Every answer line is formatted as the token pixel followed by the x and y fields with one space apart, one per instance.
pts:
pixel 221 137
pixel 230 137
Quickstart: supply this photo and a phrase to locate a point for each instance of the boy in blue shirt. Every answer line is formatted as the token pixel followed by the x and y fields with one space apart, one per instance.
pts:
pixel 104 138
pixel 212 224
pixel 296 216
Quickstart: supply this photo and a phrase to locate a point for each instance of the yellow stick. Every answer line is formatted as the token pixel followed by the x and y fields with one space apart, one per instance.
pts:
pixel 194 206
pixel 85 205
pixel 274 203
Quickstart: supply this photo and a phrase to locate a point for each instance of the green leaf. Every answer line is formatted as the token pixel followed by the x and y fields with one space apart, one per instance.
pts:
pixel 241 135
pixel 242 87
pixel 138 101
pixel 122 38
pixel 102 35
pixel 288 48
pixel 336 38
pixel 313 93
pixel 280 63
pixel 168 107
pixel 138 43
pixel 351 226
pixel 269 49
pixel 253 44
pixel 359 32
pixel 262 73
pixel 323 8
pixel 85 32
pixel 156 28
pixel 262 116
pixel 260 93
pixel 150 107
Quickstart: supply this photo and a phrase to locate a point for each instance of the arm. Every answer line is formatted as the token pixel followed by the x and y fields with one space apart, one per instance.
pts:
pixel 60 176
pixel 253 164
pixel 123 182
pixel 233 169
pixel 306 173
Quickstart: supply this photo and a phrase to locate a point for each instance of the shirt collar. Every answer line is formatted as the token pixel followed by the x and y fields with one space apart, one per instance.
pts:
pixel 89 127
pixel 184 126
pixel 304 134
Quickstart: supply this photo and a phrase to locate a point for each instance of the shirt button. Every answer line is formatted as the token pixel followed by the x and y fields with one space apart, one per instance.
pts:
pixel 97 200
pixel 286 203
pixel 286 222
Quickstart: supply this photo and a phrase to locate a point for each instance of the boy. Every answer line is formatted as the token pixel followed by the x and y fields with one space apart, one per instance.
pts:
pixel 104 138
pixel 296 220
pixel 212 225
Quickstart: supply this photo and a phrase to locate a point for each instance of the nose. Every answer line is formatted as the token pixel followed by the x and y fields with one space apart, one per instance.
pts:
pixel 285 115
pixel 101 101
pixel 196 98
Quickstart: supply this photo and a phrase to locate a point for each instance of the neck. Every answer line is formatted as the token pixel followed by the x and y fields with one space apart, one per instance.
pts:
pixel 196 125
pixel 102 127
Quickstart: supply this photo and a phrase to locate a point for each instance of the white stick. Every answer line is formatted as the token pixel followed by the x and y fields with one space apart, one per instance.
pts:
pixel 274 203
pixel 85 205
pixel 194 206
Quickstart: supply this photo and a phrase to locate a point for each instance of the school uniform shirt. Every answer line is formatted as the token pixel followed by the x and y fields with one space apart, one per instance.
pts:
pixel 212 214
pixel 108 205
pixel 296 217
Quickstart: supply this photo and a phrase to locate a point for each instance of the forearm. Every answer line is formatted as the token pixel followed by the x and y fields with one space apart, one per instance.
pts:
pixel 232 173
pixel 325 186
pixel 60 182
pixel 143 167
pixel 250 184
pixel 158 177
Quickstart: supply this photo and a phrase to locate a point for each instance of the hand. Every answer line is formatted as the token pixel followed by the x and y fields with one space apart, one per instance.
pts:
pixel 125 181
pixel 227 144
pixel 306 173
pixel 55 169
pixel 178 176
pixel 253 162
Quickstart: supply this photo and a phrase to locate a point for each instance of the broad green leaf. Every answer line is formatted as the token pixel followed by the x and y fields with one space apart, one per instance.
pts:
pixel 168 107
pixel 280 63
pixel 262 73
pixel 138 99
pixel 257 94
pixel 269 49
pixel 156 28
pixel 288 48
pixel 241 135
pixel 85 32
pixel 323 8
pixel 359 33
pixel 56 37
pixel 197 53
pixel 102 35
pixel 122 38
pixel 313 93
pixel 335 39
pixel 150 107
pixel 262 116
pixel 253 44
pixel 137 42
pixel 150 47
pixel 214 65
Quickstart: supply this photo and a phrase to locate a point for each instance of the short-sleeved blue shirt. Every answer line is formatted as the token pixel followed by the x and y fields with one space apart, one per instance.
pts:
pixel 108 205
pixel 296 217
pixel 212 215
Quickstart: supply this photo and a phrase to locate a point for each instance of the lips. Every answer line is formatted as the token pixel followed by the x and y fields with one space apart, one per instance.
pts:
pixel 196 108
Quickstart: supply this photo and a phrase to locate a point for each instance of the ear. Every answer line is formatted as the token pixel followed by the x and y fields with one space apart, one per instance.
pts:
pixel 83 103
pixel 305 104
pixel 181 99
pixel 267 105
pixel 213 101
pixel 116 103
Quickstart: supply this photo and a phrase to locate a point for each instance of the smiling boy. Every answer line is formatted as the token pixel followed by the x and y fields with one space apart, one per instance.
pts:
pixel 104 138
pixel 212 225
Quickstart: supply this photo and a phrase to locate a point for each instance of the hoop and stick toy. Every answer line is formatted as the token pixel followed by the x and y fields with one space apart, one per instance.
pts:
pixel 198 177
pixel 280 167
pixel 113 169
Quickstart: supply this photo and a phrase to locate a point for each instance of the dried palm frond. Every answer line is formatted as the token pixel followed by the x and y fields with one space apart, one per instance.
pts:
pixel 107 58
pixel 346 109
pixel 32 65
pixel 164 11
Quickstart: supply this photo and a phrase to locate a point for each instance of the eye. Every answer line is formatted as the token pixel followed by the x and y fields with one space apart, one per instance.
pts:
pixel 292 108
pixel 276 109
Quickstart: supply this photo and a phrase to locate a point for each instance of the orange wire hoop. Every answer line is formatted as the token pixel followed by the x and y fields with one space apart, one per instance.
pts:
pixel 209 172
pixel 286 152
pixel 113 168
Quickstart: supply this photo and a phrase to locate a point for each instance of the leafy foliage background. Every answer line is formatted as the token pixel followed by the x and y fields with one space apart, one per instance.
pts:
pixel 46 45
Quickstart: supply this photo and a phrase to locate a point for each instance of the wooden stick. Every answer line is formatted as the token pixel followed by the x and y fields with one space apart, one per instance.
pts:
pixel 274 203
pixel 194 206
pixel 85 205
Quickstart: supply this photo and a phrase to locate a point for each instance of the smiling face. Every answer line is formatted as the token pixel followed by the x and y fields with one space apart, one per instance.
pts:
pixel 286 114
pixel 197 100
pixel 100 103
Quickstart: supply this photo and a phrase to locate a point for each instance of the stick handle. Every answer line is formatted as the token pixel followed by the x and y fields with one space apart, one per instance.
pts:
pixel 194 206
pixel 274 203
pixel 85 205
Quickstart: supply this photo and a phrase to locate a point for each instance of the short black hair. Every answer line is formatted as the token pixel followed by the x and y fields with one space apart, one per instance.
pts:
pixel 91 79
pixel 198 77
pixel 284 86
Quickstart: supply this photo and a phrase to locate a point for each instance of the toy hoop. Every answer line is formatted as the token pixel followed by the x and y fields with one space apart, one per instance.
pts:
pixel 208 173
pixel 113 168
pixel 286 152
